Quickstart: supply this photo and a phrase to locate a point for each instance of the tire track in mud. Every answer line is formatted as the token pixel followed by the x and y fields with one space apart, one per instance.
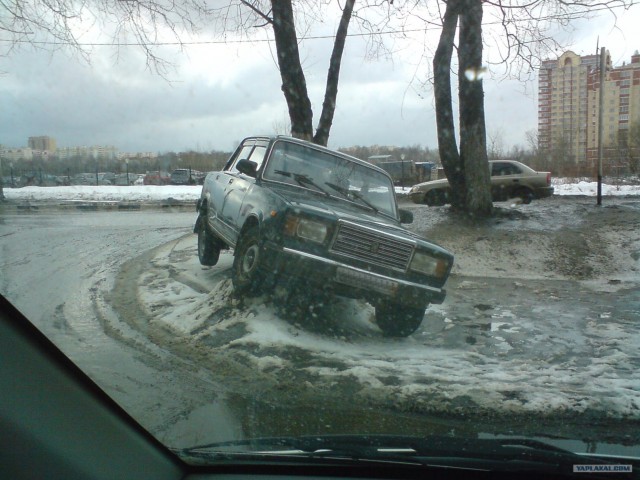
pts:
pixel 226 365
pixel 234 365
pixel 186 385
pixel 217 345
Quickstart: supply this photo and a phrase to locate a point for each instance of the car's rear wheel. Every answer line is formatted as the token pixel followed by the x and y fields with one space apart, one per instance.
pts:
pixel 208 247
pixel 434 198
pixel 525 194
pixel 247 275
pixel 397 320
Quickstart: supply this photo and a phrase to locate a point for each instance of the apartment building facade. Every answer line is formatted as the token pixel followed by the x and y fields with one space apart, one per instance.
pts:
pixel 568 110
pixel 42 144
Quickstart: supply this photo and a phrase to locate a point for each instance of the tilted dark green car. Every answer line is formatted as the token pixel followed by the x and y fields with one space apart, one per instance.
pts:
pixel 295 210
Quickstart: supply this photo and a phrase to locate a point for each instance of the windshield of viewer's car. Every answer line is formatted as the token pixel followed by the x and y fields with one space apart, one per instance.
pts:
pixel 441 241
pixel 331 174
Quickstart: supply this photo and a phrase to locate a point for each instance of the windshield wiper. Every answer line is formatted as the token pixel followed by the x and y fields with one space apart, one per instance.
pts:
pixel 351 193
pixel 491 454
pixel 303 180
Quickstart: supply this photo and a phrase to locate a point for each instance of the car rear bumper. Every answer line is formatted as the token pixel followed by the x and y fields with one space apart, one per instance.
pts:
pixel 544 192
pixel 348 281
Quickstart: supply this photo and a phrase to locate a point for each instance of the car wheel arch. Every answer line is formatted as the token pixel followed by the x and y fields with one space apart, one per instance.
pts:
pixel 252 221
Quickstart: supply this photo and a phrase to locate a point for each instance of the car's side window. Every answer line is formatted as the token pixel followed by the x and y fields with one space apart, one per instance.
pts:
pixel 498 169
pixel 257 155
pixel 244 154
pixel 510 169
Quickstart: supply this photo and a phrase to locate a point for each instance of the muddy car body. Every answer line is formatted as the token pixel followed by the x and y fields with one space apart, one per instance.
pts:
pixel 295 211
pixel 509 179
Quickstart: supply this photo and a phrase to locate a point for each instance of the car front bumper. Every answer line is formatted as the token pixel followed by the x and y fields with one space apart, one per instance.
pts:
pixel 346 280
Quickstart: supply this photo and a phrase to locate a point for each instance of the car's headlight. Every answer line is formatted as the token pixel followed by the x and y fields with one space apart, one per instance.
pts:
pixel 432 266
pixel 306 229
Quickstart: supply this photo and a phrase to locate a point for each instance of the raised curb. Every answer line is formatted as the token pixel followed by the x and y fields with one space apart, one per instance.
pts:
pixel 9 205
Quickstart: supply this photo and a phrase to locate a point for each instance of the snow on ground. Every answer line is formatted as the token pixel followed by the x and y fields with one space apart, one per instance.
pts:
pixel 539 359
pixel 152 193
pixel 106 193
pixel 542 358
pixel 566 187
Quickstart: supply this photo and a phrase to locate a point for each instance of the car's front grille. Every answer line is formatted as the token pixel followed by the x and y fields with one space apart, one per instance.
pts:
pixel 371 246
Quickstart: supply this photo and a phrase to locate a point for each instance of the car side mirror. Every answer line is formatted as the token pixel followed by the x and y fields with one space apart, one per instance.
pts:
pixel 406 216
pixel 247 167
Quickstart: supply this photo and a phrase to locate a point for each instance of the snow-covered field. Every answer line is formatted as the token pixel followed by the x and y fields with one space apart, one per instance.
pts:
pixel 105 193
pixel 152 193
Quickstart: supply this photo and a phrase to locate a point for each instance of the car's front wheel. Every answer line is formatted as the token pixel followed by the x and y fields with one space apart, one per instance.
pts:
pixel 247 275
pixel 208 247
pixel 397 320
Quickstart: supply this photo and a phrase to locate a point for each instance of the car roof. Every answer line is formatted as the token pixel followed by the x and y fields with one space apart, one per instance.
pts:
pixel 288 138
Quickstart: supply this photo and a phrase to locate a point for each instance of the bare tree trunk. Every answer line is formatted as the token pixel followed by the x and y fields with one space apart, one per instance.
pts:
pixel 473 141
pixel 331 92
pixel 447 146
pixel 294 85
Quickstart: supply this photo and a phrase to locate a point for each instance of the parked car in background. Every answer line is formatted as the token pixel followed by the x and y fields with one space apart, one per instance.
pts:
pixel 186 176
pixel 106 178
pixel 293 210
pixel 157 178
pixel 509 179
pixel 83 179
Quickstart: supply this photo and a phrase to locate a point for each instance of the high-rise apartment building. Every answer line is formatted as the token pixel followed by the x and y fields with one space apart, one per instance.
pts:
pixel 42 144
pixel 568 108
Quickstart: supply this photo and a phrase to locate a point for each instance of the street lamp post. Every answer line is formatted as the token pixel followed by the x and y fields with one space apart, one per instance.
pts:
pixel 126 162
pixel 13 184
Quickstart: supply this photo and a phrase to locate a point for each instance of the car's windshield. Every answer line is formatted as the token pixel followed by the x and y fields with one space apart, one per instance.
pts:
pixel 301 165
pixel 331 230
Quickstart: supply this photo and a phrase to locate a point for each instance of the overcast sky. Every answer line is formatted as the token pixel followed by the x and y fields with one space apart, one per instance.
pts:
pixel 220 93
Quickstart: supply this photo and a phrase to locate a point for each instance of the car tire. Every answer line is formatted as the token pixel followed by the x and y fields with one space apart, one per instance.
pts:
pixel 398 321
pixel 247 275
pixel 434 198
pixel 208 247
pixel 525 194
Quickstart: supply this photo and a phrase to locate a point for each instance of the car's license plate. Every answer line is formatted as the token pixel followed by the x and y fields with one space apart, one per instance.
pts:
pixel 364 280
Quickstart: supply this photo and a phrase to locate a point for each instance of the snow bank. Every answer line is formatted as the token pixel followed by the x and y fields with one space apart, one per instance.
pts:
pixel 106 193
pixel 186 193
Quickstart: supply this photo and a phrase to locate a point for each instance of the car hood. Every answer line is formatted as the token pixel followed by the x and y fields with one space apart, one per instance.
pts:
pixel 422 187
pixel 330 206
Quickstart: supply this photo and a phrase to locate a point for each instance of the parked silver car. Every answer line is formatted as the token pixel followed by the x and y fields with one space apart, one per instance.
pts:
pixel 509 179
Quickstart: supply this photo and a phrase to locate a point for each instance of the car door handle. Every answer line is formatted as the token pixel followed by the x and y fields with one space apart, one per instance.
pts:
pixel 230 181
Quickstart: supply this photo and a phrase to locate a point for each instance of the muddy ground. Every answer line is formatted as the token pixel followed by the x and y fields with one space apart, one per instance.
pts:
pixel 538 335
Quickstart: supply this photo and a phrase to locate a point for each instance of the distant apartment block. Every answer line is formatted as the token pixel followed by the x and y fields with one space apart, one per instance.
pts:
pixel 137 155
pixel 16 154
pixel 95 152
pixel 568 107
pixel 42 144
